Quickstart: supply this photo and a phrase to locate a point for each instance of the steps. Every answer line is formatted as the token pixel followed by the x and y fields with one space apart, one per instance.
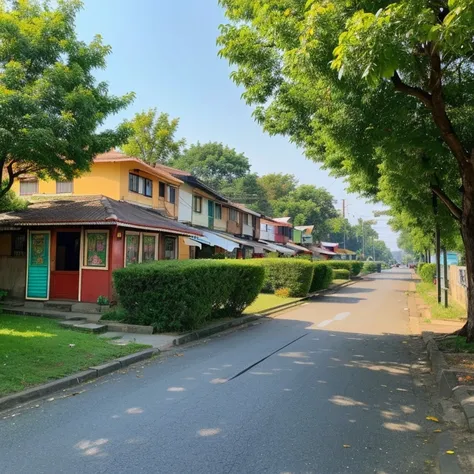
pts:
pixel 81 324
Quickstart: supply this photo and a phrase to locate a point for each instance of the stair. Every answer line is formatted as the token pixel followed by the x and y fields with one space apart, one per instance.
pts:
pixel 62 306
pixel 81 324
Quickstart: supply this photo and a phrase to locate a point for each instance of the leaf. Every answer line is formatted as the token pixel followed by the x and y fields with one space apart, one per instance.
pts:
pixel 346 445
pixel 432 418
pixel 449 452
pixel 436 431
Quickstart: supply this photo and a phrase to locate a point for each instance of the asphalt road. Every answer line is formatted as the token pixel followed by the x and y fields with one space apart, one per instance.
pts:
pixel 324 388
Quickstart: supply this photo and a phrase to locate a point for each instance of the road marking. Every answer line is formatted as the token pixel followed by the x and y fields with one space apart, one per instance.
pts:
pixel 341 316
pixel 324 323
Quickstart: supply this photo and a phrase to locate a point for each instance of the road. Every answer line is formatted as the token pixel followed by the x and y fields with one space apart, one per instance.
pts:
pixel 324 388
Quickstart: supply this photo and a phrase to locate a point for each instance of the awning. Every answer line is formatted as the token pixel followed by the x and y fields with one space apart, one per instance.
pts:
pixel 298 248
pixel 278 248
pixel 192 243
pixel 218 241
pixel 322 251
pixel 258 248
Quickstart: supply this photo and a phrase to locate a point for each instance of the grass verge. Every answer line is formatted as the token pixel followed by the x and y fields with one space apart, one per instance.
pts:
pixel 454 311
pixel 266 302
pixel 455 344
pixel 36 350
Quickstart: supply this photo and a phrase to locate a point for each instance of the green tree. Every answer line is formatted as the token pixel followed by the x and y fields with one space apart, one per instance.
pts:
pixel 278 185
pixel 248 190
pixel 307 205
pixel 362 84
pixel 213 163
pixel 50 101
pixel 11 202
pixel 153 137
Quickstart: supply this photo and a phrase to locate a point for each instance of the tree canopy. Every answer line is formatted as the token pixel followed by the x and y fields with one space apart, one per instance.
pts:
pixel 213 163
pixel 153 137
pixel 278 185
pixel 51 103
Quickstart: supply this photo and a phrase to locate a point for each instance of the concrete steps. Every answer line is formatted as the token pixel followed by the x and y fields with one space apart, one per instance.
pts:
pixel 84 326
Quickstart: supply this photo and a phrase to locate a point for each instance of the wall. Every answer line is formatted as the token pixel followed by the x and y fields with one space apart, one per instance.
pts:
pixel 247 230
pixel 267 232
pixel 185 207
pixel 201 219
pixel 221 224
pixel 183 249
pixel 13 276
pixel 457 292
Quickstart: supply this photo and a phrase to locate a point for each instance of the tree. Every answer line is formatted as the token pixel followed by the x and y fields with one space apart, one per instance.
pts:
pixel 11 202
pixel 51 104
pixel 213 163
pixel 307 205
pixel 153 137
pixel 361 84
pixel 278 185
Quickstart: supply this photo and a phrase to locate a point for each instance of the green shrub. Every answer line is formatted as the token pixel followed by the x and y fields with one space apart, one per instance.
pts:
pixel 369 267
pixel 356 267
pixel 340 265
pixel 419 267
pixel 322 277
pixel 342 274
pixel 181 295
pixel 294 274
pixel 428 272
pixel 117 313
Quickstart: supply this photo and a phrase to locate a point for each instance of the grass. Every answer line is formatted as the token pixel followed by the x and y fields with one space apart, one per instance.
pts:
pixel 456 344
pixel 454 311
pixel 266 301
pixel 36 350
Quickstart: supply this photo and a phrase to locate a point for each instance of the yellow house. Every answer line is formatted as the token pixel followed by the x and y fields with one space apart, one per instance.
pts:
pixel 117 176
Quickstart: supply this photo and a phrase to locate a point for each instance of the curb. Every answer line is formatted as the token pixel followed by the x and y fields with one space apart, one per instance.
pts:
pixel 447 381
pixel 11 401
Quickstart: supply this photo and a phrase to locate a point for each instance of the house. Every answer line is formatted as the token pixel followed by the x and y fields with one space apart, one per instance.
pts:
pixel 67 248
pixel 303 234
pixel 325 251
pixel 276 233
pixel 227 227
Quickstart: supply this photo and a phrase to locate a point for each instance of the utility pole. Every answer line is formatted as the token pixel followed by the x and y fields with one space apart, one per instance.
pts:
pixel 373 248
pixel 438 247
pixel 343 208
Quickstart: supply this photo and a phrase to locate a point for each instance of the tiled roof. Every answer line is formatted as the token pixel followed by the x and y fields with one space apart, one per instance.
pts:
pixel 93 210
pixel 245 209
pixel 116 156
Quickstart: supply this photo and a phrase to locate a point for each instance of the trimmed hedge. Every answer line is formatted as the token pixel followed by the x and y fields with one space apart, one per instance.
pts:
pixel 428 272
pixel 342 274
pixel 353 266
pixel 370 267
pixel 322 277
pixel 294 274
pixel 181 295
pixel 356 267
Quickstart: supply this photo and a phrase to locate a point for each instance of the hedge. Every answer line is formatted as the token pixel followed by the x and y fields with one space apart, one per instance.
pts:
pixel 428 272
pixel 419 267
pixel 342 274
pixel 370 267
pixel 294 274
pixel 356 267
pixel 182 295
pixel 322 277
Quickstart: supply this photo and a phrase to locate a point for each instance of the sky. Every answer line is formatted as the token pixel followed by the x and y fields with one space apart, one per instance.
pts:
pixel 166 52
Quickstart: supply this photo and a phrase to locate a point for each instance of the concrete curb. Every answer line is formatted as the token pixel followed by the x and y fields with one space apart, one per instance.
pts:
pixel 11 401
pixel 447 380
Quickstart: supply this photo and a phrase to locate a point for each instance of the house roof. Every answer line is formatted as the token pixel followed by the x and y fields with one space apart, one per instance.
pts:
pixel 93 210
pixel 244 209
pixel 283 220
pixel 275 222
pixel 344 251
pixel 329 244
pixel 117 157
pixel 322 251
pixel 307 229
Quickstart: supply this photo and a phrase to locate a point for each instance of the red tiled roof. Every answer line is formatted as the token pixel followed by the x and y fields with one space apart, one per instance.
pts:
pixel 116 157
pixel 93 210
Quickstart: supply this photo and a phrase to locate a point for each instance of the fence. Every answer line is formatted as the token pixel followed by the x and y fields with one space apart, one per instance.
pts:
pixel 458 284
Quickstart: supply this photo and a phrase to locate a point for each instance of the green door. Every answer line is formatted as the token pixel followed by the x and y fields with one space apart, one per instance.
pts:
pixel 210 206
pixel 38 266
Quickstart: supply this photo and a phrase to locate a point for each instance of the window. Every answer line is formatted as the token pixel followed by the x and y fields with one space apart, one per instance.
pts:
pixel 63 187
pixel 246 219
pixel 140 185
pixel 28 187
pixel 218 211
pixel 132 248
pixel 170 248
pixel 171 194
pixel 149 247
pixel 162 189
pixel 96 252
pixel 197 204
pixel 233 215
pixel 18 244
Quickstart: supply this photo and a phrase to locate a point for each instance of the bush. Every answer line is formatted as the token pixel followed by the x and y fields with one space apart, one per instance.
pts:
pixel 322 277
pixel 181 295
pixel 282 292
pixel 419 267
pixel 356 267
pixel 370 267
pixel 340 265
pixel 428 272
pixel 294 274
pixel 342 275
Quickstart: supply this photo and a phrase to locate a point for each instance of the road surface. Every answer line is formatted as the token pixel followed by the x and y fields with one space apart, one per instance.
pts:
pixel 324 388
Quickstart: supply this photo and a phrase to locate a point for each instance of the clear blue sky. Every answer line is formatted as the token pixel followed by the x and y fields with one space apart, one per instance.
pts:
pixel 166 53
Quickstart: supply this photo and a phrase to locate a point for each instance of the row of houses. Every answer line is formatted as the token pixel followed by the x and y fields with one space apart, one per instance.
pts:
pixel 74 234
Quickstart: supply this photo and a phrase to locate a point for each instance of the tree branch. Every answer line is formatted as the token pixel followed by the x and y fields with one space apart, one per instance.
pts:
pixel 453 208
pixel 416 92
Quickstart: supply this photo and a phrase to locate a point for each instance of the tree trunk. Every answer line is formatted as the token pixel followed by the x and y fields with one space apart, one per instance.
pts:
pixel 467 231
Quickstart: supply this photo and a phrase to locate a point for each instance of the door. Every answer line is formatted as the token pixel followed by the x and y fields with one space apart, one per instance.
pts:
pixel 65 265
pixel 37 287
pixel 210 207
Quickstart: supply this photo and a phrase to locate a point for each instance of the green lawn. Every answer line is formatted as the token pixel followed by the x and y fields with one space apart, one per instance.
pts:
pixel 265 302
pixel 428 292
pixel 36 350
pixel 455 344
